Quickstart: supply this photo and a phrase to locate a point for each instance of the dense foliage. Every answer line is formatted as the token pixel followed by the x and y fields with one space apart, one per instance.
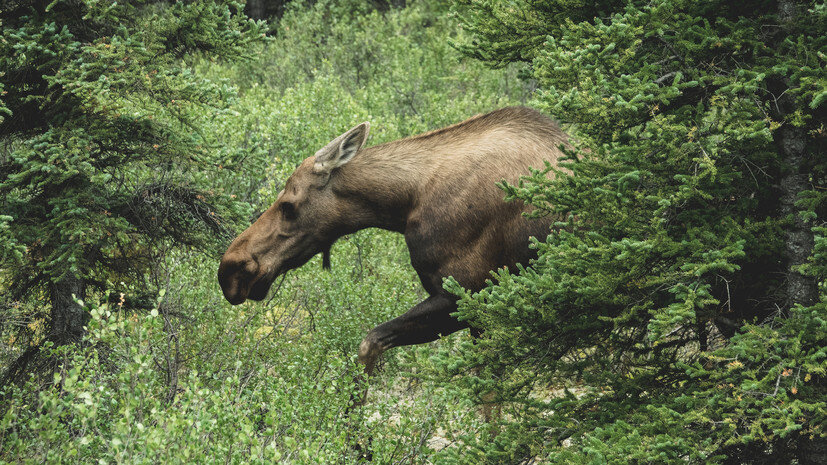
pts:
pixel 676 313
pixel 183 377
pixel 105 161
pixel 680 305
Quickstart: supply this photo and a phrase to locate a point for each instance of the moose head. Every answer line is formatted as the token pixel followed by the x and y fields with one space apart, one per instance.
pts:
pixel 306 218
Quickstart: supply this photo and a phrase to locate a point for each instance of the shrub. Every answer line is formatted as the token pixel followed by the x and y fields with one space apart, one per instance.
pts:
pixel 696 214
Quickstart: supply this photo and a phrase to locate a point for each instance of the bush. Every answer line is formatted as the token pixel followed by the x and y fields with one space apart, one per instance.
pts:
pixel 678 306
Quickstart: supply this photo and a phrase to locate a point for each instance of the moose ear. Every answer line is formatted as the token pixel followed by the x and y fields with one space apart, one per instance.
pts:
pixel 341 149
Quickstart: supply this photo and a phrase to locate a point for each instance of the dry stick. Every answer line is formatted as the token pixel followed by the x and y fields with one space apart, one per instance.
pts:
pixel 278 288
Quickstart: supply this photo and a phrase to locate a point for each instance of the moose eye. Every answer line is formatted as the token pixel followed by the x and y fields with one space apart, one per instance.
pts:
pixel 288 210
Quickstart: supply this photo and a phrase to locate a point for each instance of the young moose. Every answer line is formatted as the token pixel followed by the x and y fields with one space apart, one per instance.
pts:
pixel 438 189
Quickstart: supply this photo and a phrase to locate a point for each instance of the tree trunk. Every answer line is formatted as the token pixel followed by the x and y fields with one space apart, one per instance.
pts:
pixel 798 238
pixel 264 9
pixel 68 317
pixel 67 325
pixel 256 9
pixel 792 146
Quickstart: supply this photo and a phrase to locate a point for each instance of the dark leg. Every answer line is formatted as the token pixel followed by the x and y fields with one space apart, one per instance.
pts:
pixel 426 322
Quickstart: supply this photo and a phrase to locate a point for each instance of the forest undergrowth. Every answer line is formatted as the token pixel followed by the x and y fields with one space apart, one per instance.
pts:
pixel 187 378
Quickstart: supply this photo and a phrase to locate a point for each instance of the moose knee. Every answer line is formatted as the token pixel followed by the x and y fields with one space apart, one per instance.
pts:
pixel 369 350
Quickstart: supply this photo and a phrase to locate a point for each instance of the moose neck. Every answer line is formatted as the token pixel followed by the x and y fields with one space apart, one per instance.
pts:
pixel 380 186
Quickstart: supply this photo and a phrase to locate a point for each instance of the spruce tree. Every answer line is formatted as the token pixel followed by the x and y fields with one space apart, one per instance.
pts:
pixel 104 156
pixel 680 300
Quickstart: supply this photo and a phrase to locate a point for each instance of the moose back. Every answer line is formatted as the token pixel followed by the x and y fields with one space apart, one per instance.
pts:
pixel 437 188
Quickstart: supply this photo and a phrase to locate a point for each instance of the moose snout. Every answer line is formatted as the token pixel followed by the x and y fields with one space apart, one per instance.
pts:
pixel 235 275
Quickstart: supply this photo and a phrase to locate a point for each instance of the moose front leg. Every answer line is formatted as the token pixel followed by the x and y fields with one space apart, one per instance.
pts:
pixel 425 322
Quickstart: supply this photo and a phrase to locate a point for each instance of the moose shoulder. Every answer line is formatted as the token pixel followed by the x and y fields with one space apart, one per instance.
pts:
pixel 438 189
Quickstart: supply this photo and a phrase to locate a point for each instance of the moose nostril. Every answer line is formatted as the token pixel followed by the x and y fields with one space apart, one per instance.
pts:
pixel 232 276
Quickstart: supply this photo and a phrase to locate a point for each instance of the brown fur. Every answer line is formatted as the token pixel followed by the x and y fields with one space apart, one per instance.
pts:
pixel 438 189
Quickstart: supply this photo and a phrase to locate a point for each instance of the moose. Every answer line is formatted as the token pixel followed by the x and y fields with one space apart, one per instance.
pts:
pixel 438 189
